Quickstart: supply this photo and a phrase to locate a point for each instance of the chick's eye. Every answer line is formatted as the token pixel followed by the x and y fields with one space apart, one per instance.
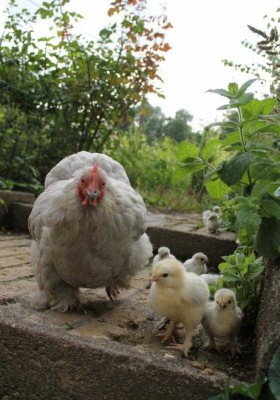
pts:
pixel 165 275
pixel 229 301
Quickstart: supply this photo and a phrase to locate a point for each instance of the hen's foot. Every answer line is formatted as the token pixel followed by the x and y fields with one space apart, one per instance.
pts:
pixel 112 293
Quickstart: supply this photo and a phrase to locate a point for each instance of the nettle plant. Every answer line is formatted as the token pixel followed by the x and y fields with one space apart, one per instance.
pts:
pixel 249 175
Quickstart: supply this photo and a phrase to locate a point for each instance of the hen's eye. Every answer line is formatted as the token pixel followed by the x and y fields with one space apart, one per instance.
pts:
pixel 83 180
pixel 165 275
pixel 103 184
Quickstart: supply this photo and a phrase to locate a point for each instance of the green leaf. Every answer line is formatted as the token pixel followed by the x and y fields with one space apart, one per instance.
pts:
pixel 182 172
pixel 251 390
pixel 259 148
pixel 258 107
pixel 232 137
pixel 254 270
pixel 221 92
pixel 248 217
pixel 217 189
pixel 230 276
pixel 245 86
pixel 267 243
pixel 274 375
pixel 232 171
pixel 233 88
pixel 208 149
pixel 245 99
pixel 186 150
pixel 222 123
pixel 270 128
pixel 270 208
pixel 224 395
pixel 265 169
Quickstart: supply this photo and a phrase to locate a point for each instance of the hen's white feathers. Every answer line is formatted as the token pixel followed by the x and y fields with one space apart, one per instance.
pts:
pixel 87 246
pixel 70 167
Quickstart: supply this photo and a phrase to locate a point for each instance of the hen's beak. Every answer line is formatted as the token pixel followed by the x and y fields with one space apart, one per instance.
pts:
pixel 92 196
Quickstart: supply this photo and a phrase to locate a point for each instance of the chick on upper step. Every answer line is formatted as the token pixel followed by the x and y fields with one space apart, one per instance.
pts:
pixel 163 252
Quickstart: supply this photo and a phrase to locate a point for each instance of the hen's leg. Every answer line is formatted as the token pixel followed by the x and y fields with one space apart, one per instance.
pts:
pixel 112 292
pixel 54 292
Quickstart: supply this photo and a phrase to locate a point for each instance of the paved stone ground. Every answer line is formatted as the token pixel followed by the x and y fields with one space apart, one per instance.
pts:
pixel 128 321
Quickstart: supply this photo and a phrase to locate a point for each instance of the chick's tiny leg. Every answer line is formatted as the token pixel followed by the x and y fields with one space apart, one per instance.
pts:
pixel 169 333
pixel 233 347
pixel 185 346
pixel 211 345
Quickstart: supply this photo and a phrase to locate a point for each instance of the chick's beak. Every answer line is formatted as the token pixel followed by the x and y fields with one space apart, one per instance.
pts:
pixel 153 278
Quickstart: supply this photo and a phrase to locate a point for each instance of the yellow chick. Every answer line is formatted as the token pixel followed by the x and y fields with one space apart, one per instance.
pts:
pixel 179 296
pixel 222 319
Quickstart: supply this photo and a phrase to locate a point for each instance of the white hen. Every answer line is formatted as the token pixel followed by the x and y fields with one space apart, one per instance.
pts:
pixel 88 229
pixel 197 264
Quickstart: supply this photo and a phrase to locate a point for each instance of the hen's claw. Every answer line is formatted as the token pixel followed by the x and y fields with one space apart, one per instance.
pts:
pixel 112 293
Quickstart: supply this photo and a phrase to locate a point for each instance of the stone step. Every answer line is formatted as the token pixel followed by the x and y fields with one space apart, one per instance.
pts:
pixel 110 351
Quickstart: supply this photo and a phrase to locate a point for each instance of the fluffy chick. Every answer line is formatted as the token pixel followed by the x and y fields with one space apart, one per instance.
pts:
pixel 213 222
pixel 217 210
pixel 211 279
pixel 206 214
pixel 197 264
pixel 179 296
pixel 222 319
pixel 163 252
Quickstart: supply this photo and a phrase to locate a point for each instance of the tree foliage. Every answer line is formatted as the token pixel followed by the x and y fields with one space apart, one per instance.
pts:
pixel 61 93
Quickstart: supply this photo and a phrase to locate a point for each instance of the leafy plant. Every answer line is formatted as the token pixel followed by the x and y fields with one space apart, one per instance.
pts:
pixel 61 93
pixel 250 171
pixel 243 274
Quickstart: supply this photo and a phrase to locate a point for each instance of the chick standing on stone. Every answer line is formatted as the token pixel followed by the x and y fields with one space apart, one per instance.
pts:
pixel 222 319
pixel 179 296
pixel 206 214
pixel 213 222
pixel 217 210
pixel 163 252
pixel 197 264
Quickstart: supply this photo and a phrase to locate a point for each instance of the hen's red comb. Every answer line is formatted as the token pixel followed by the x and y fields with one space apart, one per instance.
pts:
pixel 95 168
